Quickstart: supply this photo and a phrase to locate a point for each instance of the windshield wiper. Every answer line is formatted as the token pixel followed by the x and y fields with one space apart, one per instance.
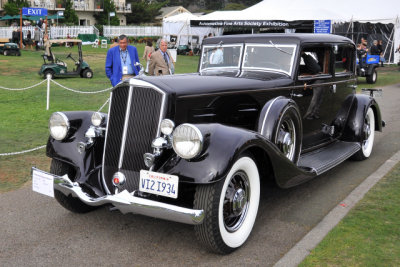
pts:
pixel 283 51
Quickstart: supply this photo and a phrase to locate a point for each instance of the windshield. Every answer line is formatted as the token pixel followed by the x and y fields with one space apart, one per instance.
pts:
pixel 221 57
pixel 269 57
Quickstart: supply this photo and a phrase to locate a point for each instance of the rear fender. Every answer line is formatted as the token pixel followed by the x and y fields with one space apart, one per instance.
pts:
pixel 222 147
pixel 353 129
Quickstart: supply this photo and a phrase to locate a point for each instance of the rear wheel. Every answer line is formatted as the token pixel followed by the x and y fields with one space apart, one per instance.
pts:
pixel 230 207
pixel 87 73
pixel 70 203
pixel 368 136
pixel 48 72
pixel 373 77
pixel 287 135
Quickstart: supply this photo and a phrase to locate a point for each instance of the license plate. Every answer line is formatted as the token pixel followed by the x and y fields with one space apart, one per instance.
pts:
pixel 42 183
pixel 159 183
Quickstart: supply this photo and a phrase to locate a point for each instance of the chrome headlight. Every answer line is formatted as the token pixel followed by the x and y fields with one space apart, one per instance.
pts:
pixel 187 141
pixel 97 119
pixel 167 126
pixel 58 125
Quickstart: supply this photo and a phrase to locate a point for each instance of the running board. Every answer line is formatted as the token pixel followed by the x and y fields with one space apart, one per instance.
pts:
pixel 326 158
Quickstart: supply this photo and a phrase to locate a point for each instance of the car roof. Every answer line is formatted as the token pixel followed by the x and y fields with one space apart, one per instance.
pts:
pixel 61 41
pixel 297 38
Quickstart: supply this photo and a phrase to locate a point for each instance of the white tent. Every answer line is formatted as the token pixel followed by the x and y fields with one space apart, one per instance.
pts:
pixel 179 25
pixel 384 11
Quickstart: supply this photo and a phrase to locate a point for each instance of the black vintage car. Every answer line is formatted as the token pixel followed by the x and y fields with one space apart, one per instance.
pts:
pixel 196 148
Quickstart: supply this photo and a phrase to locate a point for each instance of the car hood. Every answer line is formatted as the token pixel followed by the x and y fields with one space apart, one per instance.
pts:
pixel 195 84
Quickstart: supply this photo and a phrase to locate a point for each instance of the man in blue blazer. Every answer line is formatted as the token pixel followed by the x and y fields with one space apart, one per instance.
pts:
pixel 121 60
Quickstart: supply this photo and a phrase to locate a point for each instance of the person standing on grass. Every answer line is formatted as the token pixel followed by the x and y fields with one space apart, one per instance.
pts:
pixel 148 50
pixel 121 61
pixel 37 37
pixel 161 62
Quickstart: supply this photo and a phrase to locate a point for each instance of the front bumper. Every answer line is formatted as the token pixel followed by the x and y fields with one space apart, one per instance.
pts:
pixel 127 203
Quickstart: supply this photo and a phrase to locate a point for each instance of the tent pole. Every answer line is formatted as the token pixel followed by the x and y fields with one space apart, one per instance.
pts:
pixel 20 28
pixel 391 49
pixel 252 31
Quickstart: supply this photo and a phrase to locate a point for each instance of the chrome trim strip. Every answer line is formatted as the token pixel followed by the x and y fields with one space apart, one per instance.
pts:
pixel 258 90
pixel 266 114
pixel 137 82
pixel 105 144
pixel 127 113
pixel 127 203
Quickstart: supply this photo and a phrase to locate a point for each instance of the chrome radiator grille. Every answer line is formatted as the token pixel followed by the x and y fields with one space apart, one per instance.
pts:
pixel 133 123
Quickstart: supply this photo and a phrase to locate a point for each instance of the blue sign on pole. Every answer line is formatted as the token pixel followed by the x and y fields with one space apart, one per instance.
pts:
pixel 322 26
pixel 28 11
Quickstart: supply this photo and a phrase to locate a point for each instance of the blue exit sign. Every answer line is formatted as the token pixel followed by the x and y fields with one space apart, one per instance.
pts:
pixel 28 11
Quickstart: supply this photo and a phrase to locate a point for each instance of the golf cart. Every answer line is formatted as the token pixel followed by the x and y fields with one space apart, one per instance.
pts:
pixel 369 65
pixel 7 48
pixel 57 68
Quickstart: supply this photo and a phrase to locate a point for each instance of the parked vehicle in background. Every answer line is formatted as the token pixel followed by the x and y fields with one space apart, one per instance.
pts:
pixel 7 48
pixel 196 148
pixel 369 67
pixel 55 67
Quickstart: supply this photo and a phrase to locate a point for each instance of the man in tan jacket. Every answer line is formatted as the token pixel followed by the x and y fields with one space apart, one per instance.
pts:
pixel 161 62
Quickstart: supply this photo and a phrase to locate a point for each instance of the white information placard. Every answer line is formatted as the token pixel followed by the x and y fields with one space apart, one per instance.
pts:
pixel 42 183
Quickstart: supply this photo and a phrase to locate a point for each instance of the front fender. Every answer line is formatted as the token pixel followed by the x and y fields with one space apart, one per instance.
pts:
pixel 353 131
pixel 222 146
pixel 66 150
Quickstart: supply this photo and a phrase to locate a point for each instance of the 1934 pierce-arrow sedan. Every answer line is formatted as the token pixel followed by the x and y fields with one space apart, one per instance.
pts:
pixel 194 148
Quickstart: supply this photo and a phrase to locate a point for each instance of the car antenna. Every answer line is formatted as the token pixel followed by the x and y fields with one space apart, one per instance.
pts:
pixel 283 51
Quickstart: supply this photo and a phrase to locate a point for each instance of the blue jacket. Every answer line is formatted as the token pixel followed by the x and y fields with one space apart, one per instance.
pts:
pixel 113 63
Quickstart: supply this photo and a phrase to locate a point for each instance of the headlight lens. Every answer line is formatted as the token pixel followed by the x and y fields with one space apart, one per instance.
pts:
pixel 187 141
pixel 167 126
pixel 97 119
pixel 58 125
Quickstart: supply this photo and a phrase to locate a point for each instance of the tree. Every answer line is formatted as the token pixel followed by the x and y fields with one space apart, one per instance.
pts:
pixel 12 7
pixel 70 17
pixel 143 11
pixel 102 17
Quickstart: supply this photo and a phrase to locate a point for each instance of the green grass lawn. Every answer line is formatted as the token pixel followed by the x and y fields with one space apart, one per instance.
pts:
pixel 369 235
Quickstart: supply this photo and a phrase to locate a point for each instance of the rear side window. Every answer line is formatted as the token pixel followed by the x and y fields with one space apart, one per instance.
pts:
pixel 344 59
pixel 315 61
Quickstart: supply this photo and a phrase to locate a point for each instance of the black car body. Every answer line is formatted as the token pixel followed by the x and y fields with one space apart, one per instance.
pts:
pixel 193 148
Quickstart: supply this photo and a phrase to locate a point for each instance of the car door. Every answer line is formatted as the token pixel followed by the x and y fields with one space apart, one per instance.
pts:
pixel 344 56
pixel 313 94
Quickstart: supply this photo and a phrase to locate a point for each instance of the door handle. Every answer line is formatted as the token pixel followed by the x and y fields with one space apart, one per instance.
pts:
pixel 296 95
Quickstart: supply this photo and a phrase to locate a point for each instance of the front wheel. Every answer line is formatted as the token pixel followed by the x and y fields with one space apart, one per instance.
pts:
pixel 373 77
pixel 5 52
pixel 230 207
pixel 70 203
pixel 368 136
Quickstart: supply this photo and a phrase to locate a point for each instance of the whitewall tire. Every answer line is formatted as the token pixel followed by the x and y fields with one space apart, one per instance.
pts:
pixel 230 206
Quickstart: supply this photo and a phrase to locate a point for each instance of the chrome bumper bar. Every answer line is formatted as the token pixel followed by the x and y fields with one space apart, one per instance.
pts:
pixel 127 203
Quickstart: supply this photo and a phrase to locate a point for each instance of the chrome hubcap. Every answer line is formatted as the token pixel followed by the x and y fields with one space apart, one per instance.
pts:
pixel 236 201
pixel 367 132
pixel 286 138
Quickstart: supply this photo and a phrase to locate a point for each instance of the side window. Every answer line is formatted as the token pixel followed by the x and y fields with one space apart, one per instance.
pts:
pixel 344 59
pixel 314 61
